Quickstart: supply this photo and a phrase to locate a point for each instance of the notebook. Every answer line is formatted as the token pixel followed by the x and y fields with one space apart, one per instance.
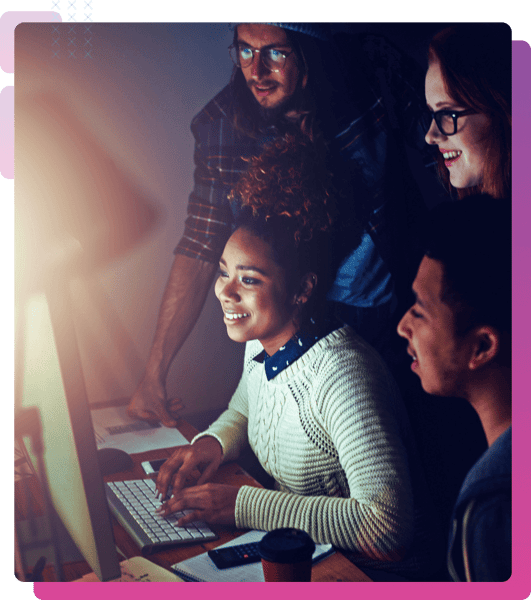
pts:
pixel 201 567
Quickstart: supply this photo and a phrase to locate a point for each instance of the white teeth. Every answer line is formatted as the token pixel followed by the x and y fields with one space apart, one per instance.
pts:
pixel 235 316
pixel 454 154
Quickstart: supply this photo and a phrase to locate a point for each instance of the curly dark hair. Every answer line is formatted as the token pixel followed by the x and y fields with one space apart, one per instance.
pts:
pixel 287 199
pixel 291 179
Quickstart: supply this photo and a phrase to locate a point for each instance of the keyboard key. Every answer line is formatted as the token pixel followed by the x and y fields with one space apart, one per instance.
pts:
pixel 138 498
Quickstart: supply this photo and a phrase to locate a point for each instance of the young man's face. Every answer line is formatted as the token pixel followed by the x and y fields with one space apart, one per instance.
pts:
pixel 440 356
pixel 271 89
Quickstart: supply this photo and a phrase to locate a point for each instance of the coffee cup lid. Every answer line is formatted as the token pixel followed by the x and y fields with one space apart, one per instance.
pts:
pixel 286 545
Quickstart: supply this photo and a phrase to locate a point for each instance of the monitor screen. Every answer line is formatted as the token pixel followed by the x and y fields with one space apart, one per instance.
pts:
pixel 53 382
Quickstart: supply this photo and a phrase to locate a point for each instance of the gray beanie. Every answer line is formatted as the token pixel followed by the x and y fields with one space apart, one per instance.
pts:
pixel 321 31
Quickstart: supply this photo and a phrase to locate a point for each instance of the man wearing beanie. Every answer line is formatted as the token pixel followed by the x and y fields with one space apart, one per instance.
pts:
pixel 357 98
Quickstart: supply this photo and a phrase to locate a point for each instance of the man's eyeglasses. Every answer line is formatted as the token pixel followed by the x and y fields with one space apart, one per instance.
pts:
pixel 445 119
pixel 273 59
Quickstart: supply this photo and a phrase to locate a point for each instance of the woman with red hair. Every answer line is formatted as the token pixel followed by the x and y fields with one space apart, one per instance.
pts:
pixel 468 94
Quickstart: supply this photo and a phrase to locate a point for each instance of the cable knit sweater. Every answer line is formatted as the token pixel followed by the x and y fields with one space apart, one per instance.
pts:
pixel 329 428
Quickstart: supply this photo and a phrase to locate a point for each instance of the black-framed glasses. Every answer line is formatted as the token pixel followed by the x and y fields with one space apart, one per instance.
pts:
pixel 273 59
pixel 445 119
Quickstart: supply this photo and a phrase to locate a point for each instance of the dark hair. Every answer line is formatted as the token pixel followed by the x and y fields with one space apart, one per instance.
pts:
pixel 472 240
pixel 475 61
pixel 287 200
pixel 320 65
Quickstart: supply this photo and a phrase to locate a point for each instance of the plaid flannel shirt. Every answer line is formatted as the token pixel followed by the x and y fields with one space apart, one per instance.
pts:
pixel 374 123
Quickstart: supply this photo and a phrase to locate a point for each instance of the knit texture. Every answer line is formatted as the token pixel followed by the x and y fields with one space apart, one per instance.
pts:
pixel 329 429
pixel 320 31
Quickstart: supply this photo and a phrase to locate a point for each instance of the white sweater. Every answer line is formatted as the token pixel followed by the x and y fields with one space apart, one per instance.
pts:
pixel 329 428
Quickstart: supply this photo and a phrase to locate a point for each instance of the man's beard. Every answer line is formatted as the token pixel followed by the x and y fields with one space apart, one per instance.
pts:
pixel 268 117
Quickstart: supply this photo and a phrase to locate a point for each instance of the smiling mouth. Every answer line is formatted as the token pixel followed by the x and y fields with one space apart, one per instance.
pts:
pixel 414 359
pixel 235 316
pixel 264 90
pixel 451 157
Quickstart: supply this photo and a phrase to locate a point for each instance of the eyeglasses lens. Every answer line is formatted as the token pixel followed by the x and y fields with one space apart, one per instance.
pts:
pixel 242 56
pixel 445 122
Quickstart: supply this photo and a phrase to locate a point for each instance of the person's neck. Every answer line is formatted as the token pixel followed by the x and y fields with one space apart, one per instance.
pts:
pixel 491 399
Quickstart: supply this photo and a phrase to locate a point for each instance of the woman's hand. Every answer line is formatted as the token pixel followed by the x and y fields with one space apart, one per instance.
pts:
pixel 204 455
pixel 211 502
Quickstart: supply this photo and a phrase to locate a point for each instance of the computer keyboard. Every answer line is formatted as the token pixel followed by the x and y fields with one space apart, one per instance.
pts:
pixel 134 503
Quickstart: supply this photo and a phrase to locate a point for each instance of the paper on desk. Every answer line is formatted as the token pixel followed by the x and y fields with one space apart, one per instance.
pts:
pixel 114 428
pixel 138 569
pixel 201 568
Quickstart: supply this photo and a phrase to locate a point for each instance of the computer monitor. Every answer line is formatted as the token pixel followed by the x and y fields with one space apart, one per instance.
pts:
pixel 53 382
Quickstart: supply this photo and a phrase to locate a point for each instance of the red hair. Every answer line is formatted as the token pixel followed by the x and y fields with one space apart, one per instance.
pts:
pixel 475 62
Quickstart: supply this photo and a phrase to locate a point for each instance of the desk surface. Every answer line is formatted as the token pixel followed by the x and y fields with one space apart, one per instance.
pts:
pixel 333 568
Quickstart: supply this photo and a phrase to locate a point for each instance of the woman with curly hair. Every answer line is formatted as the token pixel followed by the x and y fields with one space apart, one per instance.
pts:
pixel 315 402
pixel 468 92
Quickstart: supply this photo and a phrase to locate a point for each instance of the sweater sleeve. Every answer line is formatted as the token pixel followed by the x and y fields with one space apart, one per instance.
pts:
pixel 353 400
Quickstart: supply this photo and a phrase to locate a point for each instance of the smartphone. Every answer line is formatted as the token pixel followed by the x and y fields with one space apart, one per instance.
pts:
pixel 234 556
pixel 152 467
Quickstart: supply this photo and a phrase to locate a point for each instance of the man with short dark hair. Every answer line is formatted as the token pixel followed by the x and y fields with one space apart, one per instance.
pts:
pixel 459 338
pixel 359 98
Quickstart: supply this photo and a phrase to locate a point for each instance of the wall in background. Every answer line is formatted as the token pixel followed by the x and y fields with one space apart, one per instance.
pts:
pixel 135 88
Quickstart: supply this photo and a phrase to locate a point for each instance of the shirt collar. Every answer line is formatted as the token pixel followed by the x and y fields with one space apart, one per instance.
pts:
pixel 298 345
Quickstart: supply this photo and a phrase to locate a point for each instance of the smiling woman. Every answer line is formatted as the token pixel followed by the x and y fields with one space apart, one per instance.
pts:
pixel 315 402
pixel 254 293
pixel 468 95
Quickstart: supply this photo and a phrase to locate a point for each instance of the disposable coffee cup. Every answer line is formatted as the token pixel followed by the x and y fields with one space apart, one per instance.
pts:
pixel 287 555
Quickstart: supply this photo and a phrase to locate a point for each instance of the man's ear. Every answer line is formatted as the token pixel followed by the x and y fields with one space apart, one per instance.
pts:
pixel 485 346
pixel 306 288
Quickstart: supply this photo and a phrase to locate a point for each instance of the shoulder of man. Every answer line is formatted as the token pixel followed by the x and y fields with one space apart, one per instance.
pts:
pixel 373 55
pixel 218 108
pixel 491 473
pixel 369 50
